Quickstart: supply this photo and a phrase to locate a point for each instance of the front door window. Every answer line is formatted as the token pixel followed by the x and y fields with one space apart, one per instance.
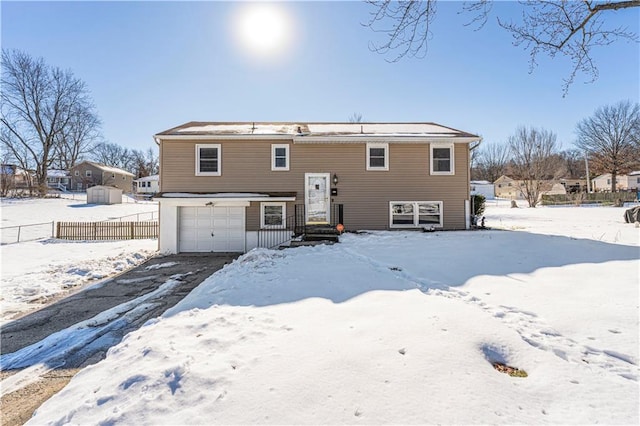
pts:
pixel 317 197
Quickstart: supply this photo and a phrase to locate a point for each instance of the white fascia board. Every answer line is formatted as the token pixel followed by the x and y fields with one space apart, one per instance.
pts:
pixel 212 137
pixel 217 201
pixel 381 139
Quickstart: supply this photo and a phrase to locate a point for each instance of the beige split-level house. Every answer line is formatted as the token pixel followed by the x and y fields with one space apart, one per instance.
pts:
pixel 222 184
pixel 88 173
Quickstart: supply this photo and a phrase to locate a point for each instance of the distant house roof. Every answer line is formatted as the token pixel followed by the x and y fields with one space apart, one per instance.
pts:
pixel 636 173
pixel 148 178
pixel 57 173
pixel 480 182
pixel 107 169
pixel 504 178
pixel 312 132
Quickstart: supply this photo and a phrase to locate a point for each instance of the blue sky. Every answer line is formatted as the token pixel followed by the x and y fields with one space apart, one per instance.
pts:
pixel 151 66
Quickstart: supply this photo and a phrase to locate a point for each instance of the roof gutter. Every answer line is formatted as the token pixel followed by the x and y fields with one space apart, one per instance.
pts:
pixel 159 138
pixel 474 146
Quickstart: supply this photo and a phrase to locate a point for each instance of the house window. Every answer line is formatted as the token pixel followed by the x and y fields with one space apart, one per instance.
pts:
pixel 208 160
pixel 377 156
pixel 441 159
pixel 87 173
pixel 76 173
pixel 415 214
pixel 279 157
pixel 273 215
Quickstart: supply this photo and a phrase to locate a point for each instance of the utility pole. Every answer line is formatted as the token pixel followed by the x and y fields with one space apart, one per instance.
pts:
pixel 586 164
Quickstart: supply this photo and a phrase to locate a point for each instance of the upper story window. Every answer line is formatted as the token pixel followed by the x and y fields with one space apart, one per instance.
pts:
pixel 377 156
pixel 441 159
pixel 76 173
pixel 208 158
pixel 279 157
pixel 87 173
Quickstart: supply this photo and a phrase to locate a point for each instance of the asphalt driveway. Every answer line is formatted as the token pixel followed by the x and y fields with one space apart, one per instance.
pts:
pixel 131 292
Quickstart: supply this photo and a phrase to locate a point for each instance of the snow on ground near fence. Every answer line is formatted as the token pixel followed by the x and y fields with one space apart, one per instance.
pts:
pixel 392 327
pixel 34 272
pixel 67 208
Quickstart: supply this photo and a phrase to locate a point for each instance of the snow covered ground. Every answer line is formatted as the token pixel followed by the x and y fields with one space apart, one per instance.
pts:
pixel 391 327
pixel 34 272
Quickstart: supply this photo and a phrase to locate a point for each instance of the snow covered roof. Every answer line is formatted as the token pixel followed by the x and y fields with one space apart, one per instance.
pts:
pixel 480 182
pixel 107 169
pixel 301 132
pixel 152 178
pixel 57 173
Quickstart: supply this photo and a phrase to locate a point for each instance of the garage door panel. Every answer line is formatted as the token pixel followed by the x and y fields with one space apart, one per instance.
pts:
pixel 197 224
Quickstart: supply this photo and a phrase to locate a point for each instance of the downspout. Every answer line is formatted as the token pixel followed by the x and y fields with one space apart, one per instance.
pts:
pixel 468 208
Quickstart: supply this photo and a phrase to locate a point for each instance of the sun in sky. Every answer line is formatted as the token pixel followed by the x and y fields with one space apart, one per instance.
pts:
pixel 263 30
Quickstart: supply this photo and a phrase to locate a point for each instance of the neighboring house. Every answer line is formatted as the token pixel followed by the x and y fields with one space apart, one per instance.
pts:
pixel 574 185
pixel 603 183
pixel 87 174
pixel 222 183
pixel 59 179
pixel 147 185
pixel 7 178
pixel 483 187
pixel 629 182
pixel 23 179
pixel 508 188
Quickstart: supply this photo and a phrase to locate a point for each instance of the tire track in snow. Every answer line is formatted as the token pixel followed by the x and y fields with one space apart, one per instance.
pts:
pixel 528 325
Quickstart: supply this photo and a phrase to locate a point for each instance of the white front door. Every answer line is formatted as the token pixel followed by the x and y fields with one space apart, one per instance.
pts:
pixel 316 197
pixel 211 229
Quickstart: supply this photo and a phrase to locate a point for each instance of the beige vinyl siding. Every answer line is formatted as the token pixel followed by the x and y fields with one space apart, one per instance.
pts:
pixel 253 214
pixel 246 167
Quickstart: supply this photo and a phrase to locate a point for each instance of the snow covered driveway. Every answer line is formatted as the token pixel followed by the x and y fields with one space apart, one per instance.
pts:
pixel 79 329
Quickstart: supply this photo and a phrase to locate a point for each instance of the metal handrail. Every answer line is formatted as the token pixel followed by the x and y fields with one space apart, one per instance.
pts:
pixel 274 237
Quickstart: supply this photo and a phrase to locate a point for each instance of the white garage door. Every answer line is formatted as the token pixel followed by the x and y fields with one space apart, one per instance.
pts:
pixel 211 229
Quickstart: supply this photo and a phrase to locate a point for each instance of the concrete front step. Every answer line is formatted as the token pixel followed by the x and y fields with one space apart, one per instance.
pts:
pixel 309 243
pixel 321 237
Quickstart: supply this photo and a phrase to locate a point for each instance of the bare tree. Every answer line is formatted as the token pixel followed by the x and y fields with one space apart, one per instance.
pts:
pixel 610 139
pixel 356 117
pixel 38 104
pixel 551 27
pixel 111 154
pixel 76 139
pixel 531 150
pixel 144 163
pixel 492 161
pixel 574 163
pixel 568 28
